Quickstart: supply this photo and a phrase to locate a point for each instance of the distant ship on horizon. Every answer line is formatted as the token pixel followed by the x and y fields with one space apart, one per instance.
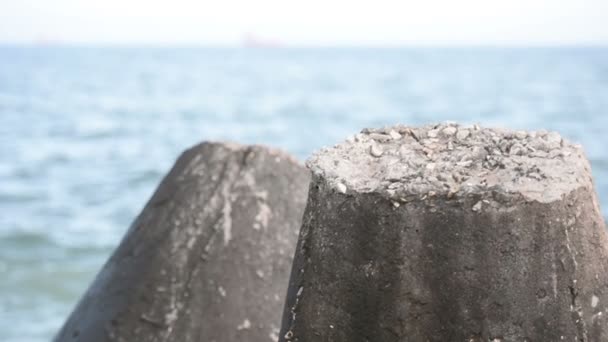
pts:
pixel 251 40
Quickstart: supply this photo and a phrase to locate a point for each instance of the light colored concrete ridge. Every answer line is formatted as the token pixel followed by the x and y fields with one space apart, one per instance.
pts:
pixel 235 146
pixel 451 160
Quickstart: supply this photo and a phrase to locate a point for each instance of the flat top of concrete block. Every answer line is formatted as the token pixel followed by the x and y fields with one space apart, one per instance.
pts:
pixel 450 159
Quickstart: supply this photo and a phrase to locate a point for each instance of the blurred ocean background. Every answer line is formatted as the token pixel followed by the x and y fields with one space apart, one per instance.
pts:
pixel 86 133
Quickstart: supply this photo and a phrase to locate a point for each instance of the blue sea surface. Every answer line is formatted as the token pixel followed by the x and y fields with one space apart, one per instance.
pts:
pixel 86 133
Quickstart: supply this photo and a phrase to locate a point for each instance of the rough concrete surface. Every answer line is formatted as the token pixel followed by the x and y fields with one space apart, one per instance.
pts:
pixel 450 233
pixel 440 159
pixel 209 256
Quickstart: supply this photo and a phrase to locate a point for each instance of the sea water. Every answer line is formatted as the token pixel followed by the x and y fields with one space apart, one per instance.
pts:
pixel 86 133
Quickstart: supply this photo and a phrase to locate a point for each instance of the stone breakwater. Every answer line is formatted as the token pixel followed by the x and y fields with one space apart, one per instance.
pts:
pixel 209 256
pixel 449 233
pixel 435 233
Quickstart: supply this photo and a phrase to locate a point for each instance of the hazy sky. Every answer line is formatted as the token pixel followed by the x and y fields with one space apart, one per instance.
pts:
pixel 310 22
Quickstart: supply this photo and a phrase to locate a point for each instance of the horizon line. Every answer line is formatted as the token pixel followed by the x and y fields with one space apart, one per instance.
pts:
pixel 363 45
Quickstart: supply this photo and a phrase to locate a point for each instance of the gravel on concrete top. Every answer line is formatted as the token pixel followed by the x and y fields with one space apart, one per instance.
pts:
pixel 451 160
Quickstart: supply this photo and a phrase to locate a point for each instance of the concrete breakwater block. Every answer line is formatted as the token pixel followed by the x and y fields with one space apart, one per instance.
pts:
pixel 450 233
pixel 207 259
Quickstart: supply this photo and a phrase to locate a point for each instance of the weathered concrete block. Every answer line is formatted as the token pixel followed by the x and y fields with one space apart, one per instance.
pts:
pixel 447 233
pixel 208 258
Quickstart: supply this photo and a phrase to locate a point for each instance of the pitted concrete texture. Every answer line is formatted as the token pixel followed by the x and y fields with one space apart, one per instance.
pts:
pixel 453 160
pixel 449 233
